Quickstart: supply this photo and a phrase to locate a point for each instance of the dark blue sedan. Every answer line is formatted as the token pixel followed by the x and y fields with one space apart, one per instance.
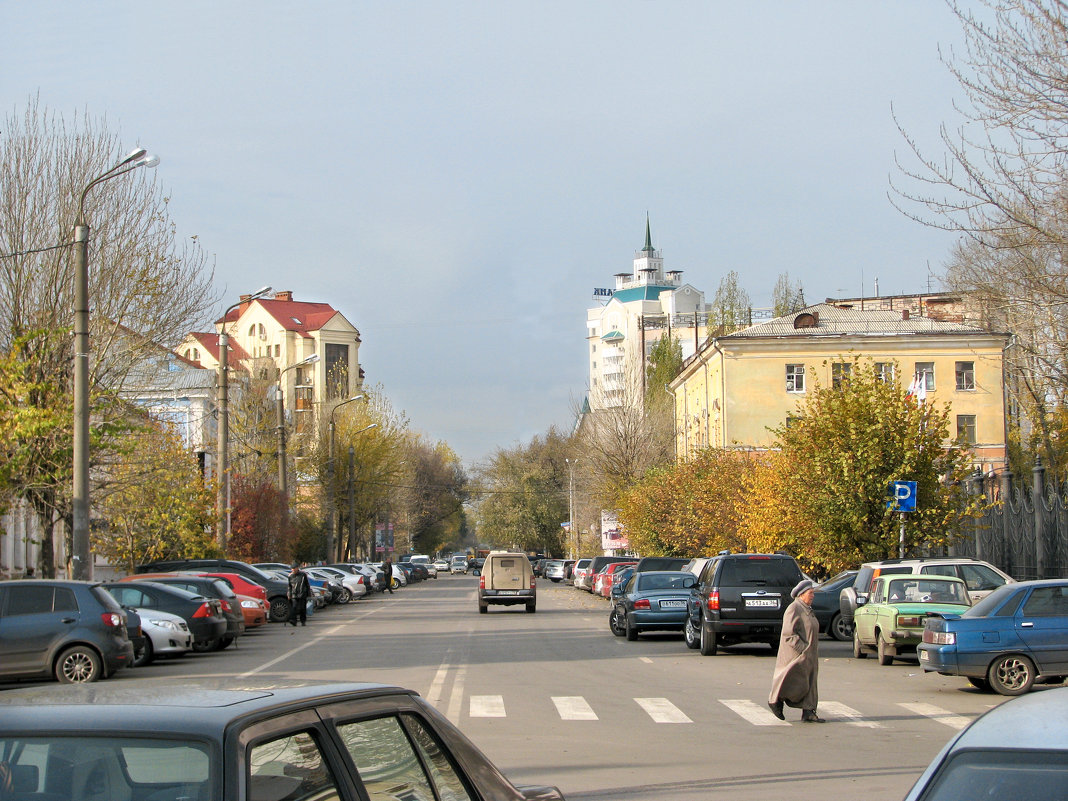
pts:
pixel 1014 637
pixel 652 601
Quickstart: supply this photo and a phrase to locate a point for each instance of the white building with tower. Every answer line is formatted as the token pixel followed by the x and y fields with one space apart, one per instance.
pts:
pixel 646 304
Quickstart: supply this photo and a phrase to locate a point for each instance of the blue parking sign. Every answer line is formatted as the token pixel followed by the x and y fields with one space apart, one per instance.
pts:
pixel 902 496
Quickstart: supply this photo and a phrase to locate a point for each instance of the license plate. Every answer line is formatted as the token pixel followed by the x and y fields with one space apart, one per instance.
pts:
pixel 672 604
pixel 762 602
pixel 924 656
pixel 507 592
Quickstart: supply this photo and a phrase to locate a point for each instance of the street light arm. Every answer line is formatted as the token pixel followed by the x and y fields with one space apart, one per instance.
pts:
pixel 139 158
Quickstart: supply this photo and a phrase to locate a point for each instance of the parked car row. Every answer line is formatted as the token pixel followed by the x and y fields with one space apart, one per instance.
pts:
pixel 958 616
pixel 77 631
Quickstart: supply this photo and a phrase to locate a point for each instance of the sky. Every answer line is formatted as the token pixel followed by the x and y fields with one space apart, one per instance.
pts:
pixel 457 177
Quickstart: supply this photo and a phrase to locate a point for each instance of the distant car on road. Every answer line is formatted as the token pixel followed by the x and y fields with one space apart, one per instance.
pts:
pixel 458 564
pixel 507 579
pixel 241 741
pixel 826 605
pixel 1013 638
pixel 652 601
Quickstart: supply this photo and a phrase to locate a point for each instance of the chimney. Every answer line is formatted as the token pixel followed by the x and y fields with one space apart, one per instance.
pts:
pixel 286 295
pixel 905 315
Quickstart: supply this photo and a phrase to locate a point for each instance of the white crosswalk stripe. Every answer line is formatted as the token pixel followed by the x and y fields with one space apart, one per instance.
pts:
pixel 573 707
pixel 487 706
pixel 832 710
pixel 661 710
pixel 943 716
pixel 752 712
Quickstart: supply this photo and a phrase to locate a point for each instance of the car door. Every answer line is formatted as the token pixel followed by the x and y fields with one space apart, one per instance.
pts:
pixel 865 618
pixel 1042 624
pixel 31 627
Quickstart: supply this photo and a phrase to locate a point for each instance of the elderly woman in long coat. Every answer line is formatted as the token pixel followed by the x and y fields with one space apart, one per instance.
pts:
pixel 797 665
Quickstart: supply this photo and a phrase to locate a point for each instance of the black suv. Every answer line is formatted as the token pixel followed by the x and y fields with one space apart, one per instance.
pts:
pixel 277 589
pixel 740 597
pixel 72 630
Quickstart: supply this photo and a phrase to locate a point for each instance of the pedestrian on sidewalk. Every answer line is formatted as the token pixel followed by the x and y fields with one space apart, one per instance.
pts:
pixel 797 665
pixel 387 568
pixel 299 590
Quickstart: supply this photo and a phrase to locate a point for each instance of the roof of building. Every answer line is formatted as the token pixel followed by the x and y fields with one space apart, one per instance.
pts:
pixel 827 320
pixel 613 336
pixel 298 316
pixel 209 341
pixel 648 292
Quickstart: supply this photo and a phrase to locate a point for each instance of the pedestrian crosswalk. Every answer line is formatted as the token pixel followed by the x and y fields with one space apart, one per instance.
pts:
pixel 749 711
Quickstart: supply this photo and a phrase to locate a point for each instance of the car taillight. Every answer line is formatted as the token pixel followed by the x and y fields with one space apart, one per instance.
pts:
pixel 713 601
pixel 482 582
pixel 112 620
pixel 912 621
pixel 642 603
pixel 939 637
pixel 203 611
pixel 533 584
pixel 226 605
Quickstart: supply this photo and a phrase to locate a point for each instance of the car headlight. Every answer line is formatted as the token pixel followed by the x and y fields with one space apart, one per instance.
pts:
pixel 165 624
pixel 250 604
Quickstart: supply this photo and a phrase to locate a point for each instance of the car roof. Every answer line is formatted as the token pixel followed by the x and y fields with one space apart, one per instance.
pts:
pixel 163 706
pixel 1027 722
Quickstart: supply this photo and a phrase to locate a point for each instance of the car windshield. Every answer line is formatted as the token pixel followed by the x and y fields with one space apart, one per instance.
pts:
pixel 664 581
pixel 105 767
pixel 972 774
pixel 926 590
pixel 776 572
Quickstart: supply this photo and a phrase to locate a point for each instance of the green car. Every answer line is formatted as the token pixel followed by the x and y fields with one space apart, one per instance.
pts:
pixel 891 621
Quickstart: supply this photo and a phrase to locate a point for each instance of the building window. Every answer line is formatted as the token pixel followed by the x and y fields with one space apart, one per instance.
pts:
pixel 337 371
pixel 966 428
pixel 252 331
pixel 925 376
pixel 795 378
pixel 884 371
pixel 840 372
pixel 277 351
pixel 965 376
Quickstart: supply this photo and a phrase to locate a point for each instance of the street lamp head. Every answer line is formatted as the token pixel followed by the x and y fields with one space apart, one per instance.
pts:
pixel 311 359
pixel 259 293
pixel 149 160
pixel 134 155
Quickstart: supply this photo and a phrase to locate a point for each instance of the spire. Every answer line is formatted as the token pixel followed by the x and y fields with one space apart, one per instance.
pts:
pixel 648 236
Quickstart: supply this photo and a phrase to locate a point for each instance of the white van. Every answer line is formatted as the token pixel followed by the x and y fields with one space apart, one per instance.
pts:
pixel 507 578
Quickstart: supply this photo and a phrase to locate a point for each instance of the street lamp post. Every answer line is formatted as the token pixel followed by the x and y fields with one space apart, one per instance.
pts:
pixel 331 523
pixel 222 500
pixel 352 491
pixel 282 488
pixel 81 561
pixel 571 506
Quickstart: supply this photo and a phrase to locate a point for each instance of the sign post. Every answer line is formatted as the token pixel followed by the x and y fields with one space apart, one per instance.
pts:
pixel 903 499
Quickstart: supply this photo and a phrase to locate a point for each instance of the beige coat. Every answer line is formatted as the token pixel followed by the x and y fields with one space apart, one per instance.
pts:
pixel 797 666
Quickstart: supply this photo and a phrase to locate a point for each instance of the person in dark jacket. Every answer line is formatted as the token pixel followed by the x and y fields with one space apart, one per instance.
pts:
pixel 299 589
pixel 387 568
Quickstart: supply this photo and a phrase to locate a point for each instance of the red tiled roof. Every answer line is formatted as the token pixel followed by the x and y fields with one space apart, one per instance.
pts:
pixel 293 315
pixel 209 341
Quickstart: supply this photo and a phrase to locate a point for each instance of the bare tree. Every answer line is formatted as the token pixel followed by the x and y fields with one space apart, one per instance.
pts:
pixel 143 281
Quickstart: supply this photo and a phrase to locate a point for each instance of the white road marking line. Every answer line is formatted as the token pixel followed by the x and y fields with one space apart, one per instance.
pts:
pixel 646 659
pixel 487 706
pixel 833 710
pixel 752 712
pixel 456 699
pixel 661 710
pixel 943 716
pixel 573 707
pixel 433 696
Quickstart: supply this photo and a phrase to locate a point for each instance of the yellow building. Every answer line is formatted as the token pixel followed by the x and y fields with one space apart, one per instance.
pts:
pixel 739 386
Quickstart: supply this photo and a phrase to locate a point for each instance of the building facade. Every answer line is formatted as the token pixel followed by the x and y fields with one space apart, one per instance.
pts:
pixel 646 304
pixel 740 386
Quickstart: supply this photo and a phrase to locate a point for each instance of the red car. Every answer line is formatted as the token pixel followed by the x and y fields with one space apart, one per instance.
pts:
pixel 602 582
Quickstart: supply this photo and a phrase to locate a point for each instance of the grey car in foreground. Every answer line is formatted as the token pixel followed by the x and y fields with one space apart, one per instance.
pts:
pixel 237 741
pixel 1016 750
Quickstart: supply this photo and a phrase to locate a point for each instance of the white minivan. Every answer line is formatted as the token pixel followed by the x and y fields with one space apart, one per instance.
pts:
pixel 507 579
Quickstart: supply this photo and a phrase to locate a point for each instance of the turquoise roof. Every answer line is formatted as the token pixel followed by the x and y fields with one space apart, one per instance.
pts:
pixel 649 292
pixel 612 336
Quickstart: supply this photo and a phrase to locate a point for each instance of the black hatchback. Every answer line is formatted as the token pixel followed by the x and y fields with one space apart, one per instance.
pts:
pixel 72 630
pixel 204 616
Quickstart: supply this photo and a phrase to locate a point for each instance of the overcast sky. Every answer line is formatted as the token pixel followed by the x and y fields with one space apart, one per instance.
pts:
pixel 457 177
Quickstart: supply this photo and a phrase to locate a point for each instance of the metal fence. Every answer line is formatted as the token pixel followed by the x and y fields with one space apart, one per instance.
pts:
pixel 1026 533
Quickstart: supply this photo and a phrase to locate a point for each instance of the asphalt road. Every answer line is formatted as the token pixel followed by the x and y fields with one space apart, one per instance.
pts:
pixel 554 698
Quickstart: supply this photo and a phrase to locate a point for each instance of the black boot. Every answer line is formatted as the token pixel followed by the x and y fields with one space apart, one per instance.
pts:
pixel 776 710
pixel 810 716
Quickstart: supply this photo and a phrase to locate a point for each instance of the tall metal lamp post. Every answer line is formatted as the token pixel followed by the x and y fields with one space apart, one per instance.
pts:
pixel 282 488
pixel 82 565
pixel 330 522
pixel 571 507
pixel 222 501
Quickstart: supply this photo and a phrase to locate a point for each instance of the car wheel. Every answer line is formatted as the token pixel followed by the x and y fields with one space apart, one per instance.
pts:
pixel 1011 675
pixel 555 580
pixel 858 649
pixel 632 630
pixel 614 623
pixel 204 646
pixel 840 628
pixel 279 610
pixel 531 608
pixel 885 656
pixel 482 609
pixel 78 665
pixel 980 684
pixel 223 643
pixel 146 656
pixel 344 596
pixel 708 641
pixel 693 639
